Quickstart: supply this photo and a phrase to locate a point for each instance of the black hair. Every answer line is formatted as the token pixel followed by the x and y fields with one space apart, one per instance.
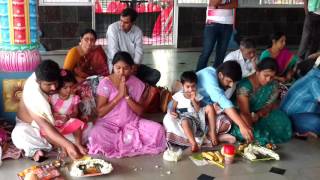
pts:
pixel 131 13
pixel 48 70
pixel 248 43
pixel 188 76
pixel 267 63
pixel 275 37
pixel 66 76
pixel 304 67
pixel 122 56
pixel 89 31
pixel 231 69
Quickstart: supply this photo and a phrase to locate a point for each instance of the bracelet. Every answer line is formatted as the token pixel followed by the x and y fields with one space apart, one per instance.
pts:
pixel 127 97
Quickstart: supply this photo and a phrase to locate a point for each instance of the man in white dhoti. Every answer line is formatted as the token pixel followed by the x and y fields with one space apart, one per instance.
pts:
pixel 34 131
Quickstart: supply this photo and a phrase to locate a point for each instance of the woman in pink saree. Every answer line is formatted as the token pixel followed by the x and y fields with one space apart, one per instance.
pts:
pixel 119 130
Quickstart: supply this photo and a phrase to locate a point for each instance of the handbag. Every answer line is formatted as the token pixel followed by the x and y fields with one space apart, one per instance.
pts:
pixel 165 98
pixel 151 99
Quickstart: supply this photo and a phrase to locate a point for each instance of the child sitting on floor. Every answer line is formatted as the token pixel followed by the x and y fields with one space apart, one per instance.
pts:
pixel 187 110
pixel 65 110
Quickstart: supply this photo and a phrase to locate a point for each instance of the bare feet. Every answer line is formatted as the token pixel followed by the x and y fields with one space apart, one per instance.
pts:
pixel 227 138
pixel 36 157
pixel 213 138
pixel 82 149
pixel 307 134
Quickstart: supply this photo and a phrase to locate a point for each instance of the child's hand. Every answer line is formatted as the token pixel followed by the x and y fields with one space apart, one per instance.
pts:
pixel 174 114
pixel 217 108
pixel 193 95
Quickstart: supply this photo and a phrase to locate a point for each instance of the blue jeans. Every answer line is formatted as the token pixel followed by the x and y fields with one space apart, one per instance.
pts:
pixel 306 122
pixel 214 34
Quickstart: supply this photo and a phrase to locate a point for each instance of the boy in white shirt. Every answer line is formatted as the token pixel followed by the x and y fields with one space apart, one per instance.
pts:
pixel 191 116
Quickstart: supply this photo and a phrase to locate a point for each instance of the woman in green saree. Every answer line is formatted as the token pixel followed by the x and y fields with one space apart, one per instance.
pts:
pixel 285 59
pixel 257 101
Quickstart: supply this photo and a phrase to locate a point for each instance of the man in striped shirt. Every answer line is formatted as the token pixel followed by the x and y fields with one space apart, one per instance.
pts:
pixel 218 30
pixel 302 104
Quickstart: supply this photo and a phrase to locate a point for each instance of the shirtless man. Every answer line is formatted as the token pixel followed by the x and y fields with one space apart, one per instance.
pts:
pixel 34 131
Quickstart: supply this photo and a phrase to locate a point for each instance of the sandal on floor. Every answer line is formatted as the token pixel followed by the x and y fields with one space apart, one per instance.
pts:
pixel 41 159
pixel 305 136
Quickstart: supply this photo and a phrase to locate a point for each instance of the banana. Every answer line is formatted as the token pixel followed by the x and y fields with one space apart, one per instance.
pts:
pixel 219 156
pixel 208 155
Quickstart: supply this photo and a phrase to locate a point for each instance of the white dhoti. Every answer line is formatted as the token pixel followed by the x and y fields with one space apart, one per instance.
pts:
pixel 27 137
pixel 175 133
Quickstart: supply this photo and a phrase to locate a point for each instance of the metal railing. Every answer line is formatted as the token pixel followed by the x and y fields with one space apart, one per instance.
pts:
pixel 249 3
pixel 155 18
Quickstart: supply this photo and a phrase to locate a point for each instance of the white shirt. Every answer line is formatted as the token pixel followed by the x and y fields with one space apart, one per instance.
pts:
pixel 247 67
pixel 183 102
pixel 221 16
pixel 131 42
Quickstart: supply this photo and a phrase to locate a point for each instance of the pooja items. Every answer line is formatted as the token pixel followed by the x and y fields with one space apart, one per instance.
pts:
pixel 90 167
pixel 172 155
pixel 258 153
pixel 228 151
pixel 41 172
pixel 214 158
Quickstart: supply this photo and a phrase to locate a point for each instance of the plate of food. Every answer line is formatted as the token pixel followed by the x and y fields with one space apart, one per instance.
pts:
pixel 88 166
pixel 42 171
pixel 255 153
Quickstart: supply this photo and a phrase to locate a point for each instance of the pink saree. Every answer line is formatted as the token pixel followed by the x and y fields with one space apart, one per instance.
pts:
pixel 121 132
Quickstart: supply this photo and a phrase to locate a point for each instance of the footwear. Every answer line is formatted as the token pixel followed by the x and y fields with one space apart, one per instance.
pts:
pixel 41 159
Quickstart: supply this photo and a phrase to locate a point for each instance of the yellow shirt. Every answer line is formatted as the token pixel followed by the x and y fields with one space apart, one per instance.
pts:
pixel 71 59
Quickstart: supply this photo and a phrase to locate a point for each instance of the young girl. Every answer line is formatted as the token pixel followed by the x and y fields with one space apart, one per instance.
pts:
pixel 65 110
pixel 192 117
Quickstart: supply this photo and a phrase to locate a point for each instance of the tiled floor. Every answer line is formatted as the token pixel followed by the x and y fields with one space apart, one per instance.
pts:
pixel 300 159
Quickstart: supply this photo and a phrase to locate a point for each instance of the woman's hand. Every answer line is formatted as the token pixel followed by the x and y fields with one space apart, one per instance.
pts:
pixel 122 87
pixel 246 133
pixel 254 117
pixel 264 112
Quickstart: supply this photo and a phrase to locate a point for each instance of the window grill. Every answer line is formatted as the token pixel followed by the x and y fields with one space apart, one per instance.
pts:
pixel 155 18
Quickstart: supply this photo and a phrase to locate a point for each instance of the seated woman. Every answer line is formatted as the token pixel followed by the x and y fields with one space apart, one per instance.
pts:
pixel 120 131
pixel 86 60
pixel 257 102
pixel 285 59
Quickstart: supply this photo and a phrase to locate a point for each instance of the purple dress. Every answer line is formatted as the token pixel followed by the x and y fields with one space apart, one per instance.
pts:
pixel 121 132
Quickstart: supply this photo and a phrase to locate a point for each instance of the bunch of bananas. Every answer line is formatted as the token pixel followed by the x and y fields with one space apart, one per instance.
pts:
pixel 213 156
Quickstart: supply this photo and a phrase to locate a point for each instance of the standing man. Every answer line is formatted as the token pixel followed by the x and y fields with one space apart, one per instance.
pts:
pixel 217 31
pixel 124 35
pixel 310 39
